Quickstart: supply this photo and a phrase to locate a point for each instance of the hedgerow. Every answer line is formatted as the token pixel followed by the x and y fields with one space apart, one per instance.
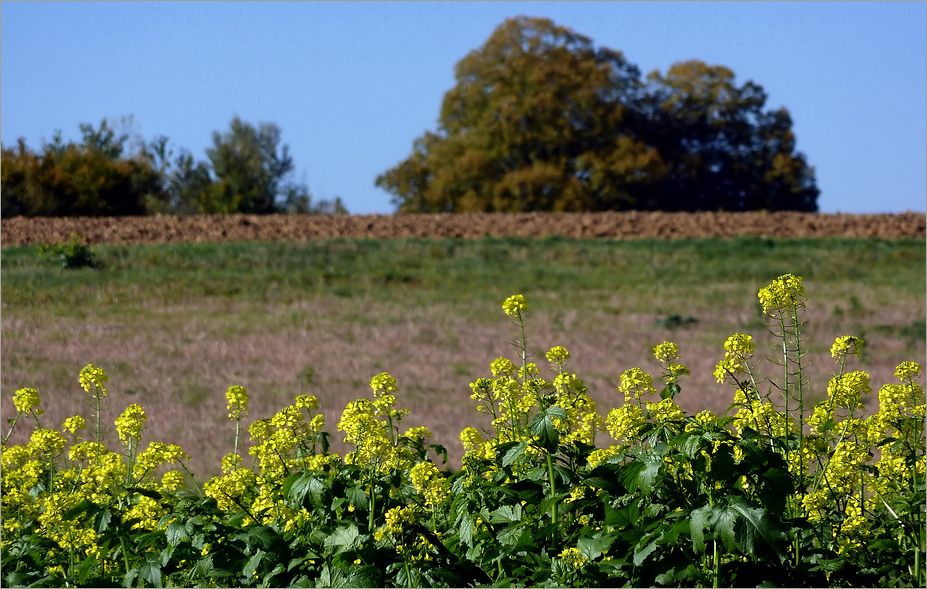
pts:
pixel 774 493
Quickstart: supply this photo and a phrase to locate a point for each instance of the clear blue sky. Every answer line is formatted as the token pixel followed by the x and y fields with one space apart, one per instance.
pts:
pixel 351 85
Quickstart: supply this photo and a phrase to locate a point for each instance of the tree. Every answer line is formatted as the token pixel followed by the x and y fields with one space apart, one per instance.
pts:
pixel 723 152
pixel 87 179
pixel 540 119
pixel 249 168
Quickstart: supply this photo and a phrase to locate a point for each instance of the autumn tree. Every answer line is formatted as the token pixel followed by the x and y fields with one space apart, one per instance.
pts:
pixel 90 178
pixel 541 119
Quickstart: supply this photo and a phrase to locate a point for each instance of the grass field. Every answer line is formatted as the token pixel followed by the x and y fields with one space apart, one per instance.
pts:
pixel 176 325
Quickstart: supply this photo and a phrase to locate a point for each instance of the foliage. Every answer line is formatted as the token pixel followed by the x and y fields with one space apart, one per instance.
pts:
pixel 542 120
pixel 87 179
pixel 246 173
pixel 776 494
pixel 72 255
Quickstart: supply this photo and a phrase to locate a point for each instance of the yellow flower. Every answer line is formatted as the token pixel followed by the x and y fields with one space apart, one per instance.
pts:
pixel 307 402
pixel 515 305
pixel 783 293
pixel 664 411
pixel 129 424
pixel 72 424
pixel 907 371
pixel 92 376
pixel 172 480
pixel 25 400
pixel 737 350
pixel 597 457
pixel 846 389
pixel 558 354
pixel 636 383
pixel 500 366
pixel 230 463
pixel 471 438
pixel 667 352
pixel 237 401
pixel 429 481
pixel 624 422
pixel 573 558
pixel 46 441
pixel 845 345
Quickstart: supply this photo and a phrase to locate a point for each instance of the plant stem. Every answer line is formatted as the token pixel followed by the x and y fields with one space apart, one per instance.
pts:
pixel 553 493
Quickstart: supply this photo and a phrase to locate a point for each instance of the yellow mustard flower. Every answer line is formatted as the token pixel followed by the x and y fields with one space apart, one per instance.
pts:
pixel 429 481
pixel 907 371
pixel 172 480
pixel 845 345
pixel 558 355
pixel 624 422
pixel 25 400
pixel 846 389
pixel 635 383
pixel 309 402
pixel 783 293
pixel 501 366
pixel 515 305
pixel 237 397
pixel 667 352
pixel 129 424
pixel 72 424
pixel 573 558
pixel 93 376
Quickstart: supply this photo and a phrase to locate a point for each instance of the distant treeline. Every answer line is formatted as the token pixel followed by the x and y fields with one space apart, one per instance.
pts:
pixel 110 173
pixel 539 120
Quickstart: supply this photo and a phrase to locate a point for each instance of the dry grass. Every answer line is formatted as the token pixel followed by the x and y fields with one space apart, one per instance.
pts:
pixel 177 361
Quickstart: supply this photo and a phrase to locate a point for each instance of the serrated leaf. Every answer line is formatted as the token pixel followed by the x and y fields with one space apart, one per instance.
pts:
pixel 556 412
pixel 506 514
pixel 629 474
pixel 699 520
pixel 357 497
pixel 176 533
pixel 648 474
pixel 150 569
pixel 263 536
pixel 253 563
pixel 83 506
pixel 592 548
pixel 754 526
pixel 547 434
pixel 626 516
pixel 510 535
pixel 465 530
pixel 643 553
pixel 103 518
pixel 343 539
pixel 513 454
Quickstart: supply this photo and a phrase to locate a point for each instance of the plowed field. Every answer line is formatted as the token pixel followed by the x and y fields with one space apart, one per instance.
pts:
pixel 218 228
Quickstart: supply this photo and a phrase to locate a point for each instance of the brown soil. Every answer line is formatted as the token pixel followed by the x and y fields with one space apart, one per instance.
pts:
pixel 611 225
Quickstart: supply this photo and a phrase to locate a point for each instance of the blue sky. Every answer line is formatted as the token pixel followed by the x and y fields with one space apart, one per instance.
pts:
pixel 351 85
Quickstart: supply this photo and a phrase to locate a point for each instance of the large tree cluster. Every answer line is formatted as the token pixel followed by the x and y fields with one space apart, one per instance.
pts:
pixel 542 120
pixel 110 173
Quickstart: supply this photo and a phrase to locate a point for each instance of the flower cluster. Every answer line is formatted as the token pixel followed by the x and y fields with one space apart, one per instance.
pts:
pixel 237 397
pixel 783 293
pixel 515 305
pixel 738 349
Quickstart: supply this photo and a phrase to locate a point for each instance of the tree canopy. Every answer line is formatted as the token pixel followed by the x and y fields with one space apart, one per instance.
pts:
pixel 542 120
pixel 246 172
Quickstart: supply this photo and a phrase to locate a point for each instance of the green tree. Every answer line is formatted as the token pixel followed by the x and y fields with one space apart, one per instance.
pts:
pixel 87 179
pixel 249 165
pixel 723 152
pixel 540 119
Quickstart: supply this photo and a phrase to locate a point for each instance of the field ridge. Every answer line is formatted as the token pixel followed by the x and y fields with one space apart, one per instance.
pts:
pixel 18 231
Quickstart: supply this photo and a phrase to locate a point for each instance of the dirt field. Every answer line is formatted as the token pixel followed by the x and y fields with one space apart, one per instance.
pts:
pixel 216 228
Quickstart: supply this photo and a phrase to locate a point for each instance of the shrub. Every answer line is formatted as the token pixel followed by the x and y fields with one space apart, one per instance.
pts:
pixel 777 493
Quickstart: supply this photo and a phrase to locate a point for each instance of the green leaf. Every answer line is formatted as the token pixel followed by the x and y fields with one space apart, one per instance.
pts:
pixel 253 563
pixel 86 567
pixel 177 533
pixel 510 535
pixel 592 548
pixel 465 530
pixel 343 539
pixel 626 516
pixel 82 507
pixel 103 518
pixel 640 554
pixel 699 520
pixel 543 428
pixel 629 474
pixel 506 514
pixel 754 526
pixel 357 497
pixel 150 569
pixel 513 454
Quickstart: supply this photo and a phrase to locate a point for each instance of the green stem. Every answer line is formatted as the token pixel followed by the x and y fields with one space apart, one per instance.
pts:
pixel 553 493
pixel 237 431
pixel 717 563
pixel 13 426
